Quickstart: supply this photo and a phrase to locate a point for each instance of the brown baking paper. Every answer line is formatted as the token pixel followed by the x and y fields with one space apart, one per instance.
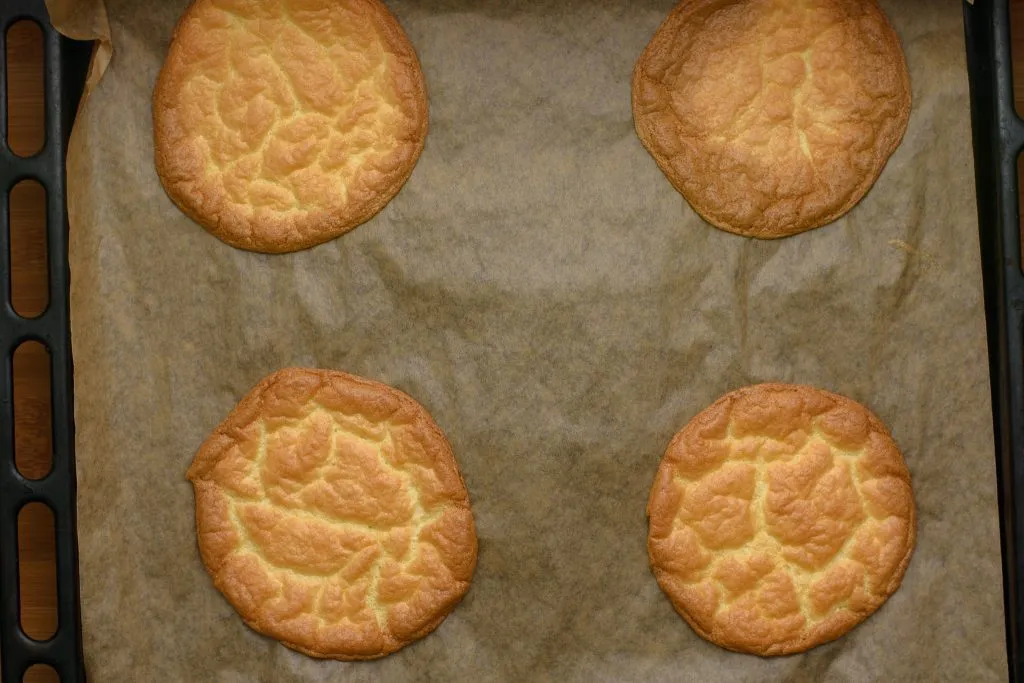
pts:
pixel 85 20
pixel 540 287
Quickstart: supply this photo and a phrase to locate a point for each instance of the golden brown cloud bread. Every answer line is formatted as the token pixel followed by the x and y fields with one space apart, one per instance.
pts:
pixel 281 124
pixel 772 116
pixel 780 518
pixel 331 514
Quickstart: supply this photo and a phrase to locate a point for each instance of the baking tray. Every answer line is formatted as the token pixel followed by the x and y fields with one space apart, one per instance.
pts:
pixel 998 140
pixel 65 63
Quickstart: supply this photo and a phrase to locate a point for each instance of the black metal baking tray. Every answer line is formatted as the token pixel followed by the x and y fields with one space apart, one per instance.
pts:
pixel 65 64
pixel 998 140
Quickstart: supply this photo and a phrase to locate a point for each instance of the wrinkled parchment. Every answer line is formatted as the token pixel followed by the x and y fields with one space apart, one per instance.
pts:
pixel 540 287
pixel 85 20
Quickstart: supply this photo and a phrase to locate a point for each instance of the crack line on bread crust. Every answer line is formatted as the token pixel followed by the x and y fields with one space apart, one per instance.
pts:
pixel 247 544
pixel 421 519
pixel 377 436
pixel 256 468
pixel 320 516
pixel 801 577
pixel 373 595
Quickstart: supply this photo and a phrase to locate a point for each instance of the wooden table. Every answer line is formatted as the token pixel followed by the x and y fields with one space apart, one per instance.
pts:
pixel 28 266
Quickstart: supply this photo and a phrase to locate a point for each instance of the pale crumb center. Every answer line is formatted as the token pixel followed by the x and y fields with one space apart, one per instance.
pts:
pixel 271 167
pixel 763 540
pixel 378 534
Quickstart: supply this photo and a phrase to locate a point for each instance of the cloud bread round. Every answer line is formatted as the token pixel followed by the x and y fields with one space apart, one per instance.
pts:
pixel 772 117
pixel 281 124
pixel 781 517
pixel 331 514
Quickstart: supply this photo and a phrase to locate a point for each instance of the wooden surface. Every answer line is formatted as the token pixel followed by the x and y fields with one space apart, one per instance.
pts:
pixel 29 294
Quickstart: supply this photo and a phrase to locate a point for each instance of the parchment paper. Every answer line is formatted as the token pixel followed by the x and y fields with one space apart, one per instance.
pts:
pixel 540 287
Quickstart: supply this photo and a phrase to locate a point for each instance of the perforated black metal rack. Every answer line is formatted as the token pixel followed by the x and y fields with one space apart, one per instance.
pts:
pixel 998 141
pixel 65 64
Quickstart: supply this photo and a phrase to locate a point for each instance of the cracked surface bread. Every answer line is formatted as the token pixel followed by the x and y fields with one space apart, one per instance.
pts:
pixel 281 124
pixel 772 117
pixel 781 517
pixel 331 514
